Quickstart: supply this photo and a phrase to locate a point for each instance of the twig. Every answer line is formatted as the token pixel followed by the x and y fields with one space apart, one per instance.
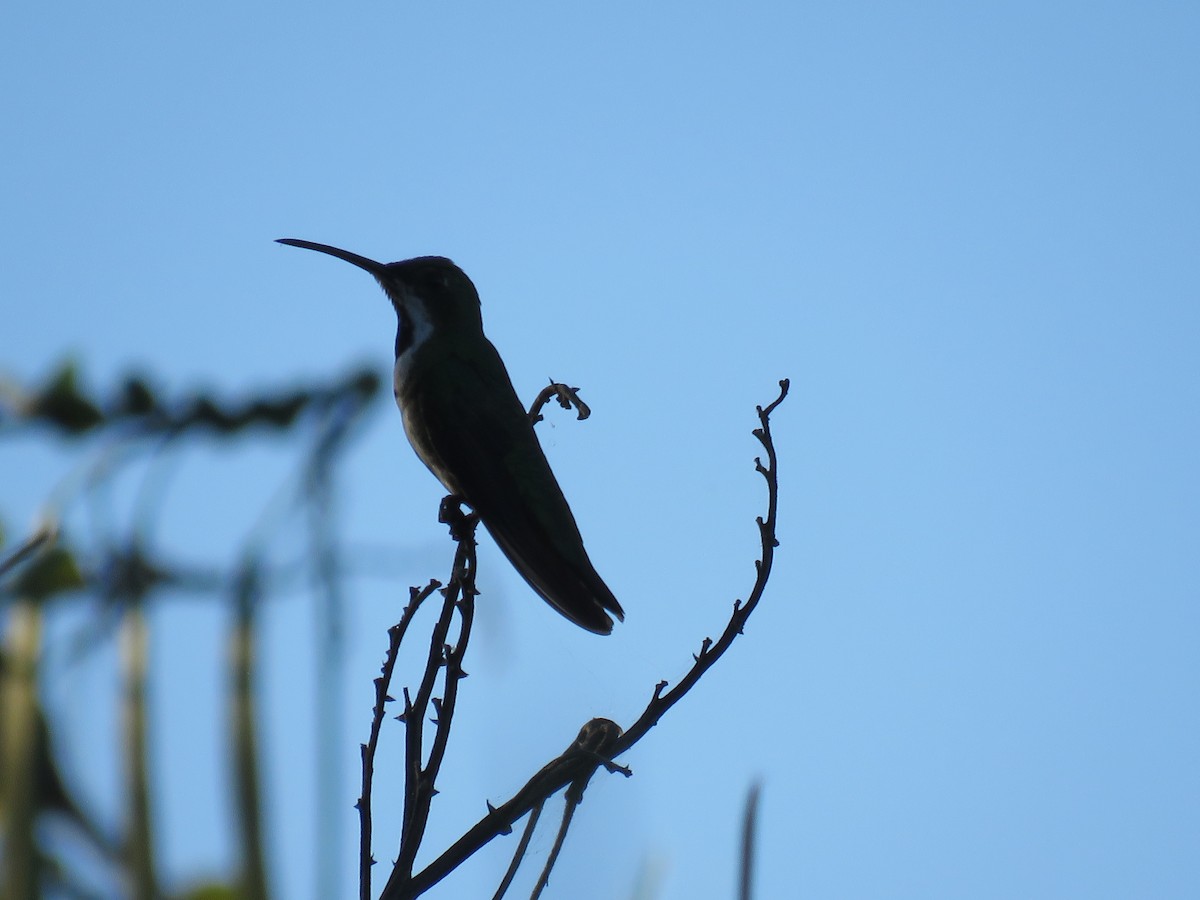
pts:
pixel 382 685
pixel 575 765
pixel 543 881
pixel 596 739
pixel 463 581
pixel 709 652
pixel 420 780
pixel 519 853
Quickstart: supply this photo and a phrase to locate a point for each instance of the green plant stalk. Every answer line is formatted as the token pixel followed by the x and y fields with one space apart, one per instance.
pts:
pixel 18 745
pixel 140 843
pixel 248 800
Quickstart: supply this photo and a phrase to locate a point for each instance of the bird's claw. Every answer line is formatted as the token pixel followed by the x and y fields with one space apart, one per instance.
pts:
pixel 462 525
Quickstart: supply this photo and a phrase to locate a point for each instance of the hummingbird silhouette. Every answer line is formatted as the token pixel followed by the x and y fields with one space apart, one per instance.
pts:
pixel 466 423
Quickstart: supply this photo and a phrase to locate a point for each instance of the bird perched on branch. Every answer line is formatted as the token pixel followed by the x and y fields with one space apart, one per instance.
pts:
pixel 466 423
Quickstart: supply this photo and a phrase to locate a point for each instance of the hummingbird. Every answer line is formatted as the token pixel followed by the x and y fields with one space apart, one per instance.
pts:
pixel 464 420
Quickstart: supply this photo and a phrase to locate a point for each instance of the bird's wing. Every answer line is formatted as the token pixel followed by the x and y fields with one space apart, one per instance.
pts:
pixel 500 469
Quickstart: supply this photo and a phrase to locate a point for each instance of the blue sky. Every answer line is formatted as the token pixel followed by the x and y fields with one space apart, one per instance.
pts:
pixel 967 232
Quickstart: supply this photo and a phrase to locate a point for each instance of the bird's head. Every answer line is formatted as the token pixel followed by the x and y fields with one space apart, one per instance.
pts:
pixel 429 293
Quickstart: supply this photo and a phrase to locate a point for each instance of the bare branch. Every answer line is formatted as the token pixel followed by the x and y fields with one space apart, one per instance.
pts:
pixel 710 652
pixel 519 853
pixel 600 739
pixel 596 738
pixel 382 685
pixel 445 659
pixel 569 807
pixel 420 779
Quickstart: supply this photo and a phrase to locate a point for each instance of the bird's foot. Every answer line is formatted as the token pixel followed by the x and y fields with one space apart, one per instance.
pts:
pixel 462 525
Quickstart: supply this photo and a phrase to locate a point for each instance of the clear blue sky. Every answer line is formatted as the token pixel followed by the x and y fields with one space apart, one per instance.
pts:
pixel 967 232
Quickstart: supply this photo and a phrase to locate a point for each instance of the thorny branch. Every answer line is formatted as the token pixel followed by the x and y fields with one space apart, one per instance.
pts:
pixel 445 659
pixel 396 633
pixel 709 653
pixel 598 742
pixel 420 779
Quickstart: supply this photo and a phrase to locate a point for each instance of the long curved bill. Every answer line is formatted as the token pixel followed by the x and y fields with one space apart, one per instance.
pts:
pixel 354 259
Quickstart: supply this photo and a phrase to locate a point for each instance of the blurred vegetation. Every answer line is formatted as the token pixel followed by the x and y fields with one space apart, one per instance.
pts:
pixel 54 842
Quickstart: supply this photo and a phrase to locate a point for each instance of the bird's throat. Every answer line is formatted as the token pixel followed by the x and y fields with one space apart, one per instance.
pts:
pixel 413 328
pixel 404 333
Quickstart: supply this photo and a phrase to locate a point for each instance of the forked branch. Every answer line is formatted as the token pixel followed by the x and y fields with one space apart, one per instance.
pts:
pixel 600 740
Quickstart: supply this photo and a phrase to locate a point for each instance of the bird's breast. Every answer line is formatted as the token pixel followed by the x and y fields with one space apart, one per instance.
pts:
pixel 405 389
